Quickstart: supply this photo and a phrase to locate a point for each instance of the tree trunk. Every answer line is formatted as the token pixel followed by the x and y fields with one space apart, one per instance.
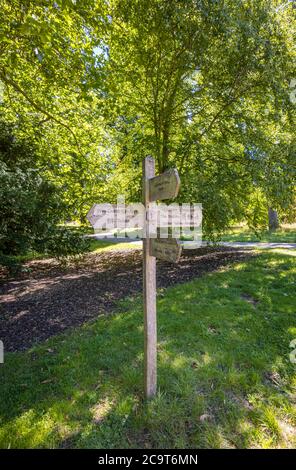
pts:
pixel 273 220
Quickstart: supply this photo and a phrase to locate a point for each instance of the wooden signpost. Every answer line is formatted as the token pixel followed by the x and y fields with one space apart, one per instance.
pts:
pixel 164 186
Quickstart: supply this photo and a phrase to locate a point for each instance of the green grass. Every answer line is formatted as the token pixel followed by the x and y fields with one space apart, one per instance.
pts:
pixel 224 375
pixel 97 246
pixel 244 234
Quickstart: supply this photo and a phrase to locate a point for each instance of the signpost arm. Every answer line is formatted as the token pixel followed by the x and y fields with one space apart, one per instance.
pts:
pixel 149 292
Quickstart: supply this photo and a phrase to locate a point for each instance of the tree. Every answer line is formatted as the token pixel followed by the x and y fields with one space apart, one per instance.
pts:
pixel 46 54
pixel 201 85
pixel 199 104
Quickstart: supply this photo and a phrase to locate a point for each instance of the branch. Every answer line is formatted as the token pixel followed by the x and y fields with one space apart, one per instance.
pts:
pixel 11 82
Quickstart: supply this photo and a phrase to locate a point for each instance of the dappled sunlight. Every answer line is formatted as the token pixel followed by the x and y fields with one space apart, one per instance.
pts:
pixel 284 251
pixel 237 267
pixel 147 262
pixel 223 372
pixel 292 330
pixel 103 246
pixel 33 428
pixel 100 410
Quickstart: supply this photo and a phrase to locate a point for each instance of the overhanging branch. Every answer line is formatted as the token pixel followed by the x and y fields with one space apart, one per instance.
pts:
pixel 9 81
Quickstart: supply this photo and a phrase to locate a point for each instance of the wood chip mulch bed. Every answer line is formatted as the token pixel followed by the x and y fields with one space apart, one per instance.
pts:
pixel 47 299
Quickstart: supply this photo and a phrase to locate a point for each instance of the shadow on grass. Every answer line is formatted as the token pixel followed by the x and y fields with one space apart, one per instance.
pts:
pixel 224 376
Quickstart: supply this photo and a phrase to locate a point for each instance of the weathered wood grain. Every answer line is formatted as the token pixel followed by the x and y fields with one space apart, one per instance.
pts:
pixel 168 249
pixel 149 294
pixel 164 186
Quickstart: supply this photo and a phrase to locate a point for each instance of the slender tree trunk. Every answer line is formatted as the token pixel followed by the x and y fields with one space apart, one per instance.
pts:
pixel 273 220
pixel 165 147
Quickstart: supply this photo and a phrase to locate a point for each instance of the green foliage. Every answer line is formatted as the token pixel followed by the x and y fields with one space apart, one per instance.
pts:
pixel 256 213
pixel 31 206
pixel 29 203
pixel 63 243
pixel 25 209
pixel 202 86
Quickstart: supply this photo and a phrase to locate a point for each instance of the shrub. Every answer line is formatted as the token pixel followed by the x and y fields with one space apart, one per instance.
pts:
pixel 31 206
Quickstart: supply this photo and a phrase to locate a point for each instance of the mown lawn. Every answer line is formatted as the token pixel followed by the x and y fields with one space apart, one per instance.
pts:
pixel 97 246
pixel 224 374
pixel 285 234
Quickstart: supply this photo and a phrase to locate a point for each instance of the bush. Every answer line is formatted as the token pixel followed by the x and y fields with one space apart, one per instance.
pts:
pixel 31 206
pixel 64 243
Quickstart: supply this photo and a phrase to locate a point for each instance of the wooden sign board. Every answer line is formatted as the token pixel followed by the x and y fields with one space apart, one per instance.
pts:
pixel 164 186
pixel 168 249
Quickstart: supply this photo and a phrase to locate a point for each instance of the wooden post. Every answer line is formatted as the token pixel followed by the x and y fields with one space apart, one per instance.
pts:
pixel 149 292
pixel 164 186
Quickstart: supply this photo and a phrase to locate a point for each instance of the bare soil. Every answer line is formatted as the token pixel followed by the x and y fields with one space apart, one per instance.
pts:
pixel 47 299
